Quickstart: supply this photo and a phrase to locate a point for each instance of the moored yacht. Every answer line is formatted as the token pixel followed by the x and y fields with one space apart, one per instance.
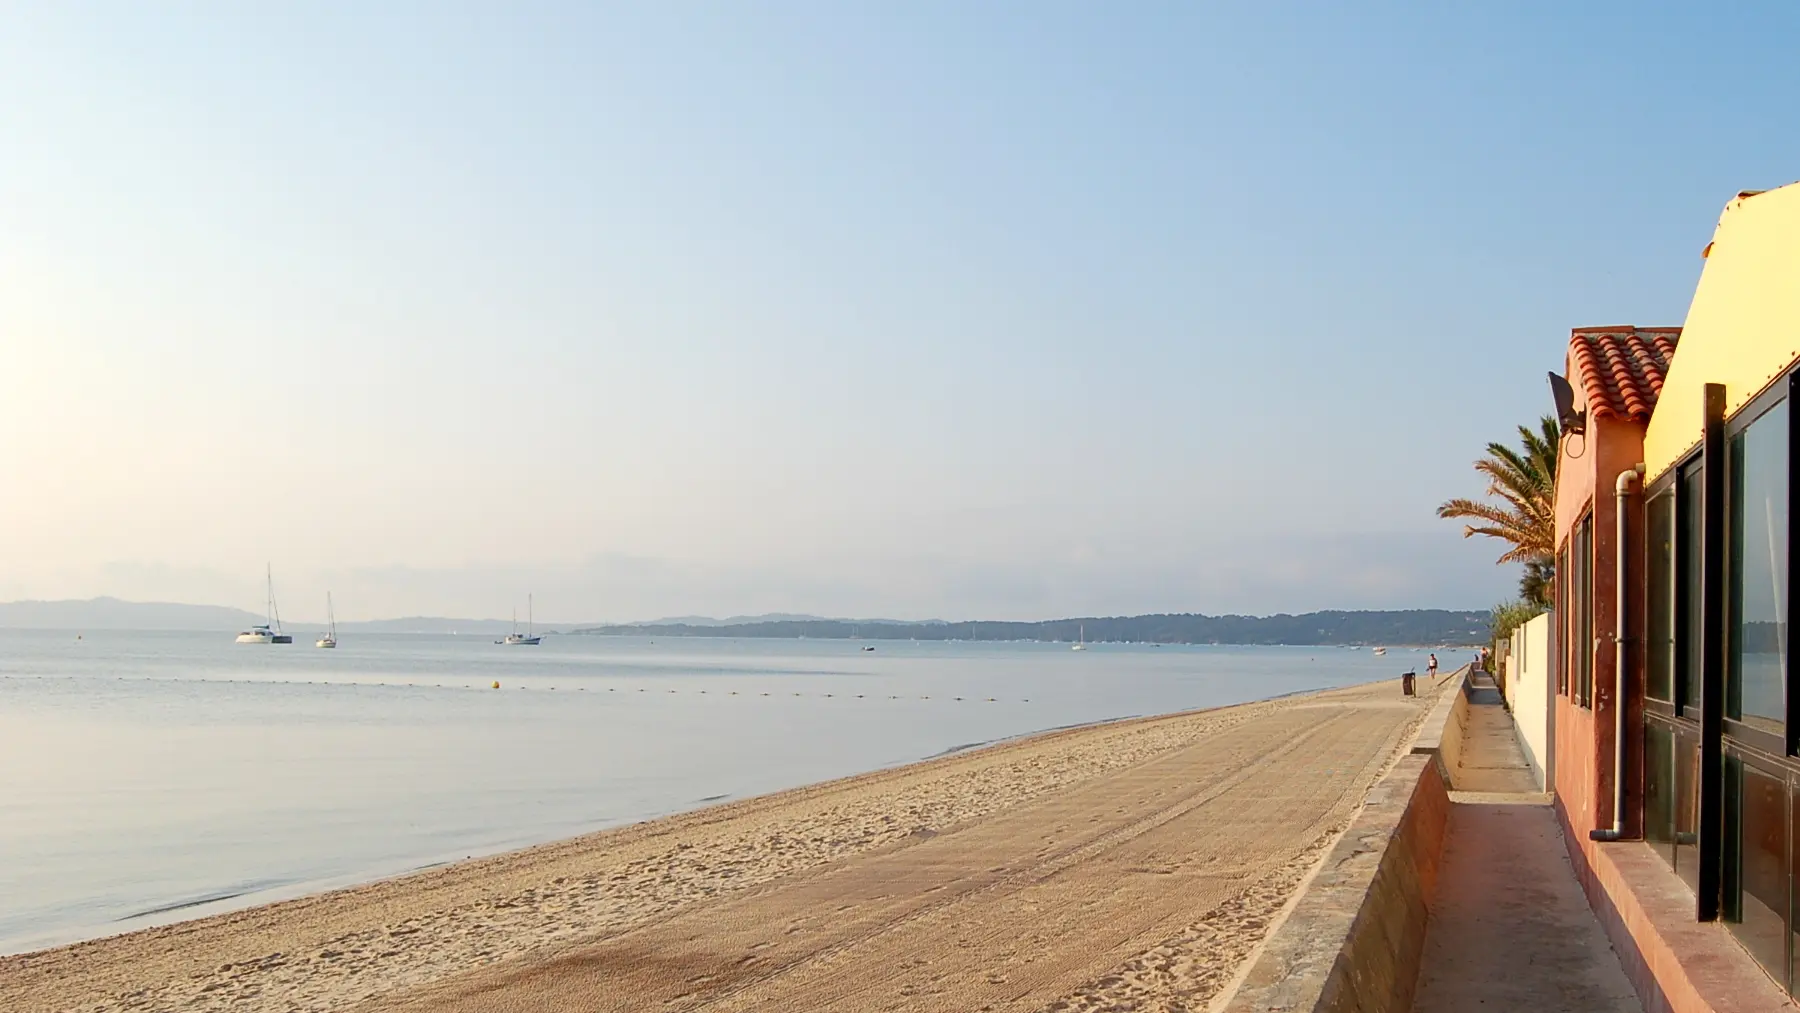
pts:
pixel 529 639
pixel 256 635
pixel 269 632
pixel 330 637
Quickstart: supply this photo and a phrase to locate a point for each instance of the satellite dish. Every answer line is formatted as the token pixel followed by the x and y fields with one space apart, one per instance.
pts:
pixel 1567 417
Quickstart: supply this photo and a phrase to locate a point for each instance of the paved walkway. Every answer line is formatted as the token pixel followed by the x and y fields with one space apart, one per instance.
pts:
pixel 1511 928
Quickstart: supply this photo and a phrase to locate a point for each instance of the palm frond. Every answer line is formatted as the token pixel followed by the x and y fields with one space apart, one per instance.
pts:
pixel 1522 484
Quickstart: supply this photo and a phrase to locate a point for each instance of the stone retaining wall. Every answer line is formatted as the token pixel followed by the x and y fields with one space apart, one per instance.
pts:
pixel 1354 937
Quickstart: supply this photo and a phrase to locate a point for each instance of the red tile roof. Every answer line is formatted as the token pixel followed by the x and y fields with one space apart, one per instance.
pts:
pixel 1621 369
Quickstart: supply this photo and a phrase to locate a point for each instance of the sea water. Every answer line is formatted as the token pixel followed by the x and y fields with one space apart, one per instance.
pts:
pixel 151 777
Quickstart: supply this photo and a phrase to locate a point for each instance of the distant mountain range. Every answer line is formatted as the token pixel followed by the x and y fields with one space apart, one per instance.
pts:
pixel 1410 627
pixel 1421 627
pixel 767 617
pixel 114 614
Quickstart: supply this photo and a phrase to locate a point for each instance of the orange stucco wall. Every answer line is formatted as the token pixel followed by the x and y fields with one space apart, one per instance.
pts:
pixel 1586 476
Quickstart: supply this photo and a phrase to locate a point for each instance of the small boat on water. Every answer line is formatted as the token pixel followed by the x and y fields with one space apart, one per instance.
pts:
pixel 330 637
pixel 1080 638
pixel 256 635
pixel 271 631
pixel 1380 650
pixel 530 639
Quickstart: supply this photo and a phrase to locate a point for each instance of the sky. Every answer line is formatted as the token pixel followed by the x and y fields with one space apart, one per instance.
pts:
pixel 999 310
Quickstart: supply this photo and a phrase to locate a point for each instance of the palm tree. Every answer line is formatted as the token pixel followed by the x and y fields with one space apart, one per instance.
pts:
pixel 1524 483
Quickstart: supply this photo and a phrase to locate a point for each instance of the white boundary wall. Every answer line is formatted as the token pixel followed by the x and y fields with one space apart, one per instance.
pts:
pixel 1529 694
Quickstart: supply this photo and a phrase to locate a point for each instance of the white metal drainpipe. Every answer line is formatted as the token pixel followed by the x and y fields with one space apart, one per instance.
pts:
pixel 1621 637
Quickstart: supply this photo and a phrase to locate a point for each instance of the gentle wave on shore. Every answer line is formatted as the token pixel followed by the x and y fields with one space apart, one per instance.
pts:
pixel 153 777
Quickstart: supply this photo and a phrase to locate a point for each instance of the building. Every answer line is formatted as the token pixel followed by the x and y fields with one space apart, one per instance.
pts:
pixel 1680 796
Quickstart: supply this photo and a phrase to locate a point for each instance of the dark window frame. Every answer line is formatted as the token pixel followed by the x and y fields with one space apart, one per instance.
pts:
pixel 1719 859
pixel 1582 554
pixel 1689 568
pixel 1564 610
pixel 1774 754
pixel 1661 492
pixel 1785 388
pixel 1668 484
pixel 1748 415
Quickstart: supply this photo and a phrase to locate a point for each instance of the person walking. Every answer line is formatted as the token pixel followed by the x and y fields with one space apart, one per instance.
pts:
pixel 1431 666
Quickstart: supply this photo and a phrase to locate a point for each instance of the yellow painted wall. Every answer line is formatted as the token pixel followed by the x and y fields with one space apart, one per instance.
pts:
pixel 1743 328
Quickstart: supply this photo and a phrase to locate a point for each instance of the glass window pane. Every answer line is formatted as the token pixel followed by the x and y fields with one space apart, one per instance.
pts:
pixel 1793 884
pixel 1584 613
pixel 1693 501
pixel 1659 634
pixel 1659 789
pixel 1756 887
pixel 1687 807
pixel 1564 609
pixel 1587 595
pixel 1759 546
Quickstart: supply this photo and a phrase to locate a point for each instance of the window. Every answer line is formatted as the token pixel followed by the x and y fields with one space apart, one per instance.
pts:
pixel 1659 574
pixel 1756 882
pixel 1687 807
pixel 1583 619
pixel 1794 897
pixel 1688 516
pixel 1659 789
pixel 1755 676
pixel 1565 610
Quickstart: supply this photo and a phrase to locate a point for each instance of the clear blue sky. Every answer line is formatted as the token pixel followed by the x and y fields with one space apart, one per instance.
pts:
pixel 999 310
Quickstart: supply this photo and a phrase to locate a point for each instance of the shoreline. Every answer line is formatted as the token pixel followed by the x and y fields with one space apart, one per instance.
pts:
pixel 326 888
pixel 354 944
pixel 302 890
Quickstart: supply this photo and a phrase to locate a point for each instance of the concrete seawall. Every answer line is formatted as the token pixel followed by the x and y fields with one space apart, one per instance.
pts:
pixel 1353 939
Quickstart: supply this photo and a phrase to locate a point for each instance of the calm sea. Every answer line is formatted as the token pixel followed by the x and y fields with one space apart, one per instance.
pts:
pixel 151 777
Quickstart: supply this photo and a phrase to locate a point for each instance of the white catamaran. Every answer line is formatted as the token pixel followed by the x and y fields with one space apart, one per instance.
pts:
pixel 530 639
pixel 269 632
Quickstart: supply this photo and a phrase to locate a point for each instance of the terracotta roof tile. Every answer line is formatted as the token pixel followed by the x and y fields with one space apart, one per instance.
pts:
pixel 1621 369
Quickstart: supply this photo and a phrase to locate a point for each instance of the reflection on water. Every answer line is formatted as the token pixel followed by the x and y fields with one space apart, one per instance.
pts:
pixel 149 777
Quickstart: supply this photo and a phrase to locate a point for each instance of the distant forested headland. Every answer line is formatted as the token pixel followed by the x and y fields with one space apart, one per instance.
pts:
pixel 1421 627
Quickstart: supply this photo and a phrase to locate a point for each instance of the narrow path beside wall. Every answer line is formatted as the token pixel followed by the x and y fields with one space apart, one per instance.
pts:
pixel 1510 928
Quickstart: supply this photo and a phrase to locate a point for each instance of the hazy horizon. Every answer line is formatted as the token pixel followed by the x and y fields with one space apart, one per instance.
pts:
pixel 1007 311
pixel 64 613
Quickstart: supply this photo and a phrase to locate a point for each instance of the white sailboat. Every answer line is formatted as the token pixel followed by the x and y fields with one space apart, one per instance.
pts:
pixel 530 639
pixel 269 632
pixel 1080 638
pixel 330 637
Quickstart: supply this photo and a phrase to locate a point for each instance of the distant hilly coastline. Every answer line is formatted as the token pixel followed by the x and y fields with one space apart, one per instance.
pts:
pixel 116 614
pixel 1405 627
pixel 1422 627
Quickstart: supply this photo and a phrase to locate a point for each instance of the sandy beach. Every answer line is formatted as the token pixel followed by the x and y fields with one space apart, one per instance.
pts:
pixel 1125 866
